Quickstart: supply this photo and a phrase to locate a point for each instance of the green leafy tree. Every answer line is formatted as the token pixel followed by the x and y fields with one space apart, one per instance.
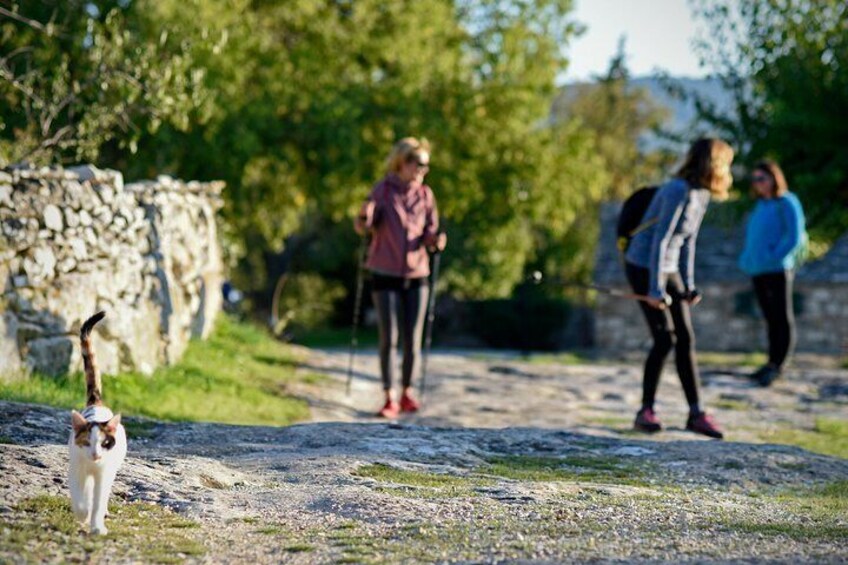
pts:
pixel 296 105
pixel 328 87
pixel 785 62
pixel 613 116
pixel 73 76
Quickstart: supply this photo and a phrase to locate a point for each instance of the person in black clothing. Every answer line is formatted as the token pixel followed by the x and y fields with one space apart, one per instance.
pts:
pixel 660 264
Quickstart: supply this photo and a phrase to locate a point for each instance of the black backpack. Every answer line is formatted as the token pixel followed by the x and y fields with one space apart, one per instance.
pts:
pixel 630 220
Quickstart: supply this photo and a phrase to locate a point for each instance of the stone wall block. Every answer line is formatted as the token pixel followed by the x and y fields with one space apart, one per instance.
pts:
pixel 78 240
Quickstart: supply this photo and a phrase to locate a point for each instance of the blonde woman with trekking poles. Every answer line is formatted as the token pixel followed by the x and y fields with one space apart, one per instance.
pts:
pixel 659 263
pixel 402 220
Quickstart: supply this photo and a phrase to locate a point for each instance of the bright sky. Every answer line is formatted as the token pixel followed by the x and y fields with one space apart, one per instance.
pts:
pixel 659 35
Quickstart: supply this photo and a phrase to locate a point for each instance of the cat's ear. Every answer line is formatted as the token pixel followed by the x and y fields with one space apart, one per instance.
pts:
pixel 113 424
pixel 77 421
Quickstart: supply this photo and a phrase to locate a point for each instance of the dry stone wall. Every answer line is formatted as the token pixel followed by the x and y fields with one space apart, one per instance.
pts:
pixel 728 319
pixel 78 240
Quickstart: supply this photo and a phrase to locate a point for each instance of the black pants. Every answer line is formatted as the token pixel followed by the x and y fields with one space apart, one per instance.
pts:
pixel 774 293
pixel 401 309
pixel 670 328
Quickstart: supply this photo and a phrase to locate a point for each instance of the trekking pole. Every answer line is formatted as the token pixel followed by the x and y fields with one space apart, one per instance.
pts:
pixel 431 318
pixel 357 305
pixel 537 278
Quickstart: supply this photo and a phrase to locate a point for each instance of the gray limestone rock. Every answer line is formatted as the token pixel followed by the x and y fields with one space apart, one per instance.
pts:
pixel 50 355
pixel 53 218
pixel 10 358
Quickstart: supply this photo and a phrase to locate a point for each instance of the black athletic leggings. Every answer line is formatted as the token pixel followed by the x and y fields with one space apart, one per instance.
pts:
pixel 671 327
pixel 401 308
pixel 774 293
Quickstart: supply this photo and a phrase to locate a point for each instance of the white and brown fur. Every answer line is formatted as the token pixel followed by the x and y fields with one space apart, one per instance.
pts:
pixel 98 444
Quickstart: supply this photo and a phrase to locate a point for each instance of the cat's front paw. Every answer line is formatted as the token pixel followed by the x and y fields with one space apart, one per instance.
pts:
pixel 82 515
pixel 99 530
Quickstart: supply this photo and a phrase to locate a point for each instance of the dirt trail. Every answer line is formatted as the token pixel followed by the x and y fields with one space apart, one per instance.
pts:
pixel 564 481
pixel 499 390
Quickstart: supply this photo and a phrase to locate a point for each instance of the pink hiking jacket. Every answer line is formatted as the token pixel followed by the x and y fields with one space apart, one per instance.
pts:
pixel 403 221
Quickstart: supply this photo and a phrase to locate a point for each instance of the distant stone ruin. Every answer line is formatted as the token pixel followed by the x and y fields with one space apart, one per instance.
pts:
pixel 75 241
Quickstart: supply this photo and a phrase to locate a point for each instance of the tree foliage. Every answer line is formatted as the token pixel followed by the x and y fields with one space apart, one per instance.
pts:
pixel 74 76
pixel 618 114
pixel 786 62
pixel 296 104
pixel 614 115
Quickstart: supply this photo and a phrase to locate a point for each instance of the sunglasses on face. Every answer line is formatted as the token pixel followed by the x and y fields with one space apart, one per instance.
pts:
pixel 759 178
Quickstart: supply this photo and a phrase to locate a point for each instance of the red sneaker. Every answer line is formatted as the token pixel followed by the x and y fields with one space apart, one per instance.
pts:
pixel 390 410
pixel 647 421
pixel 409 404
pixel 704 425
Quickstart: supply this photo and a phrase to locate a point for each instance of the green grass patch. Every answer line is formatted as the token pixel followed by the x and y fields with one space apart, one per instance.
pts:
pixel 810 514
pixel 574 468
pixel 6 440
pixel 562 358
pixel 239 375
pixel 426 485
pixel 610 421
pixel 387 473
pixel 138 429
pixel 730 404
pixel 793 530
pixel 299 548
pixel 422 484
pixel 44 526
pixel 829 436
pixel 724 359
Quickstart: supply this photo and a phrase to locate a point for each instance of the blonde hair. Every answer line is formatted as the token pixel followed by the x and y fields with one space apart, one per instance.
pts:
pixel 405 150
pixel 707 165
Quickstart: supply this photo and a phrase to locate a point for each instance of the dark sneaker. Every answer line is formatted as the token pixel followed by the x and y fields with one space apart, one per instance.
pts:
pixel 647 421
pixel 390 410
pixel 768 376
pixel 704 425
pixel 409 404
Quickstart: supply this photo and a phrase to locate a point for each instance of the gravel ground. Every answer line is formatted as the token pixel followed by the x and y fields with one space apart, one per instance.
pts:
pixel 508 462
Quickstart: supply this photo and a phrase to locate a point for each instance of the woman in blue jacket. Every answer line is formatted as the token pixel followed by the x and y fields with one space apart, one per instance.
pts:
pixel 774 234
pixel 660 263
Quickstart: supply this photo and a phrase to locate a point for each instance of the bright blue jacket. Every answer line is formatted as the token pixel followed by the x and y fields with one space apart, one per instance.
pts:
pixel 667 243
pixel 775 231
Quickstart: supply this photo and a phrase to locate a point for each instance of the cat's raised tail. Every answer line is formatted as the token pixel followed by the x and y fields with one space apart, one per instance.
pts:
pixel 93 389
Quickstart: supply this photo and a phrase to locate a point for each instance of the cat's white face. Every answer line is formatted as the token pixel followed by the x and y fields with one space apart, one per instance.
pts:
pixel 98 441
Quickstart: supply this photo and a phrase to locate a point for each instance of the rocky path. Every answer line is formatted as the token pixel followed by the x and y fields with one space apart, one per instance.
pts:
pixel 564 481
pixel 499 390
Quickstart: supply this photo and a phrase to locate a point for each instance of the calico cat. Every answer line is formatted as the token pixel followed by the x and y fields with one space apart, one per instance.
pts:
pixel 98 444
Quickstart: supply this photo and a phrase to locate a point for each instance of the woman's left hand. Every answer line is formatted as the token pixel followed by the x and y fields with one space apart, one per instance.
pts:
pixel 441 242
pixel 694 297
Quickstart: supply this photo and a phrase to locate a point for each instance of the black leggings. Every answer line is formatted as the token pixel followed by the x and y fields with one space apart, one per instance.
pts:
pixel 393 296
pixel 774 293
pixel 671 327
